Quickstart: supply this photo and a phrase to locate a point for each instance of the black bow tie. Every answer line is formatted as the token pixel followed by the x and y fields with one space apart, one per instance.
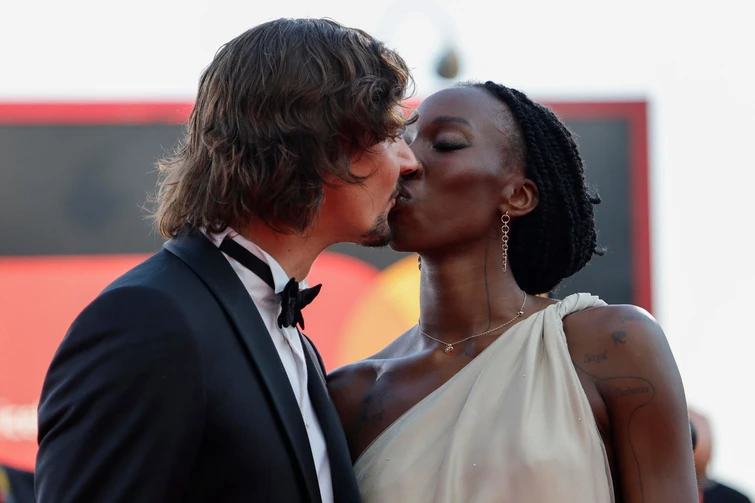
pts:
pixel 293 300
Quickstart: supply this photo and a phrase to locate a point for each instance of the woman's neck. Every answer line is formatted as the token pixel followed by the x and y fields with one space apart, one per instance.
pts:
pixel 462 294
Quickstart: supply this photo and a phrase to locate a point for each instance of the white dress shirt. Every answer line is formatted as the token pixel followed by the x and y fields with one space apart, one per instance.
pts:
pixel 289 346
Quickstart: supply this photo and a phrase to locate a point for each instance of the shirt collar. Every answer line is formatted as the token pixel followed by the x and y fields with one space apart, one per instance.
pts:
pixel 280 278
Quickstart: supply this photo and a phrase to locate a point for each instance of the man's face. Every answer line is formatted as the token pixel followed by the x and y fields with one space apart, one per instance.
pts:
pixel 359 213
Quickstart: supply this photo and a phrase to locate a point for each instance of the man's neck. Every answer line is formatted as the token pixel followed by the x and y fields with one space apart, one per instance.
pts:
pixel 294 253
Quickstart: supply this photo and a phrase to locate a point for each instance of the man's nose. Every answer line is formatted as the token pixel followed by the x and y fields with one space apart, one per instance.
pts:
pixel 409 164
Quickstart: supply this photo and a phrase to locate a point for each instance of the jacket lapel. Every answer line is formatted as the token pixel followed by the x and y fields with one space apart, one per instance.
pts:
pixel 345 489
pixel 213 269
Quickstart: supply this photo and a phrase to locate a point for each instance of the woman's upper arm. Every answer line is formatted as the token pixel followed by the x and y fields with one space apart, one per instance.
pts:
pixel 642 389
pixel 348 386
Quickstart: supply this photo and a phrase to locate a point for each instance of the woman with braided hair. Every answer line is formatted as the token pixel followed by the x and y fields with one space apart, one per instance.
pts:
pixel 498 394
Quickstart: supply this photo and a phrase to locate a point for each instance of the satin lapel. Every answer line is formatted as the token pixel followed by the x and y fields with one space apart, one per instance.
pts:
pixel 345 489
pixel 213 269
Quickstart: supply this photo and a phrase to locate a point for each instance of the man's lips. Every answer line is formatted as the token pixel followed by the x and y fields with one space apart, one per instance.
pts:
pixel 403 198
pixel 403 195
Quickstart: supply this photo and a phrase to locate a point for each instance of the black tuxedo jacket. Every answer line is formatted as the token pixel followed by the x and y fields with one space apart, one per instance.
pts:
pixel 168 388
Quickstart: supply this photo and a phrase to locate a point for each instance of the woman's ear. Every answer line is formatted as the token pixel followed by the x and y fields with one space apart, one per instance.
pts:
pixel 519 198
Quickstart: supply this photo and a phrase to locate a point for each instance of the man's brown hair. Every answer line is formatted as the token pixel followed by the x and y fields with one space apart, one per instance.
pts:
pixel 279 113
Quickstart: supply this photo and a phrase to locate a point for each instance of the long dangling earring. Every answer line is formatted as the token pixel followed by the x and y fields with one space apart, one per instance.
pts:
pixel 505 219
pixel 419 262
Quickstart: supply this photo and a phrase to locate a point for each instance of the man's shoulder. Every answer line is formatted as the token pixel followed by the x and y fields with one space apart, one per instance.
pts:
pixel 160 271
pixel 159 288
pixel 162 278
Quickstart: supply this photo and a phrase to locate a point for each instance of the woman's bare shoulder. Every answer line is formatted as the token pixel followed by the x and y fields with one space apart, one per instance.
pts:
pixel 615 338
pixel 350 383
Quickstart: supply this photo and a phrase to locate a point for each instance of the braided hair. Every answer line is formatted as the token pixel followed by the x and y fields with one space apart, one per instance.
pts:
pixel 558 237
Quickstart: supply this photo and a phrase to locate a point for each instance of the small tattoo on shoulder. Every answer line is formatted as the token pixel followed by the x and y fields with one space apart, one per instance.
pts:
pixel 631 317
pixel 372 405
pixel 619 337
pixel 596 358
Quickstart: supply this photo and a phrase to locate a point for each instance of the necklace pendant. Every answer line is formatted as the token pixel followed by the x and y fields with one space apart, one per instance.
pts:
pixel 449 350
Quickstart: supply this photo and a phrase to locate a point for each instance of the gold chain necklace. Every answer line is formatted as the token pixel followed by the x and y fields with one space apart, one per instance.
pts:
pixel 449 349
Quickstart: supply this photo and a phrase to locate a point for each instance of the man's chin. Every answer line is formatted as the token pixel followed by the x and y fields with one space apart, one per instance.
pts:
pixel 376 241
pixel 378 237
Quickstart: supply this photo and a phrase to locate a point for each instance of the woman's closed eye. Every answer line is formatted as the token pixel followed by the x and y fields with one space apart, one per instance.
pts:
pixel 446 141
pixel 447 145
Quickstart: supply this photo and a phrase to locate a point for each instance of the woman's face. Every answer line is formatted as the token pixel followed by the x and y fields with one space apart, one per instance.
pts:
pixel 462 143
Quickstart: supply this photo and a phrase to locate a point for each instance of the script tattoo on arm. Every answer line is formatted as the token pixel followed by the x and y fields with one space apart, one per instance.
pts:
pixel 640 387
pixel 596 358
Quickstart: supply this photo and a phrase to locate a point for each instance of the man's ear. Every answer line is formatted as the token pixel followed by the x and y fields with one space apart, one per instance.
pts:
pixel 519 198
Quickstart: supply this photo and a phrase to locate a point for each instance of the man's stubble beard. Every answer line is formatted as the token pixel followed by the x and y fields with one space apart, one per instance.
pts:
pixel 380 235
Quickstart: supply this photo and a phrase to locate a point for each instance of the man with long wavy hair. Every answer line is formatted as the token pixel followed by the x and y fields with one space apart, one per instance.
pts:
pixel 188 379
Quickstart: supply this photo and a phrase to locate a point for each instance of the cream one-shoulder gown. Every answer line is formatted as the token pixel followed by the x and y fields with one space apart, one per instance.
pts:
pixel 513 426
